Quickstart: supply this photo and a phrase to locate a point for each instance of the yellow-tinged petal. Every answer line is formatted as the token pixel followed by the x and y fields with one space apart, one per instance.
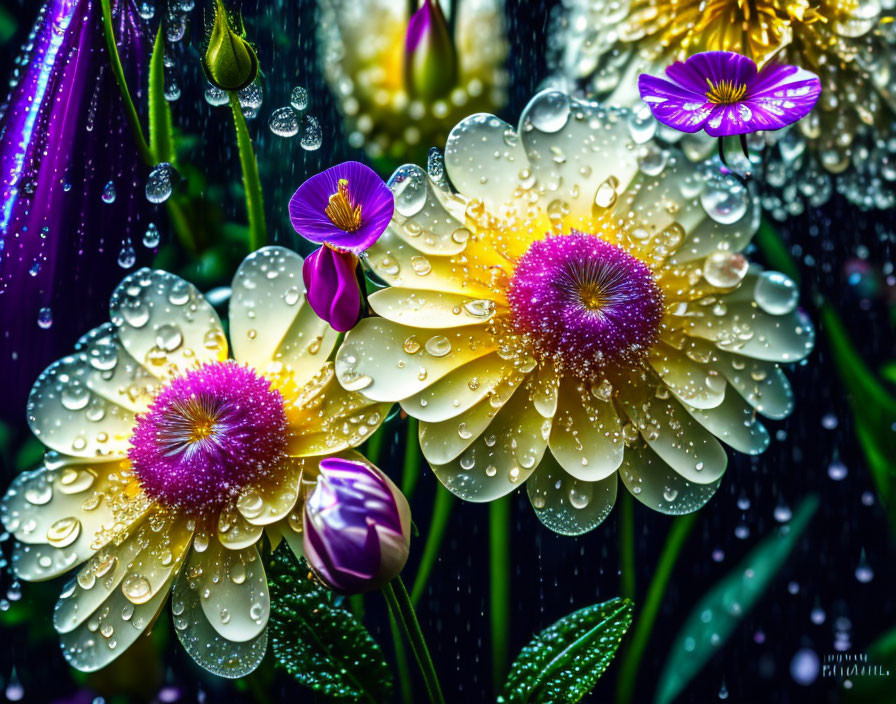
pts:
pixel 677 438
pixel 203 642
pixel 272 499
pixel 586 435
pixel 119 622
pixel 443 441
pixel 762 384
pixel 567 505
pixel 389 362
pixel 502 457
pixel 330 419
pixel 400 264
pixel 734 423
pixel 460 390
pixel 431 309
pixel 694 384
pixel 68 417
pixel 235 532
pixel 166 324
pixel 234 590
pixel 140 567
pixel 270 320
pixel 656 485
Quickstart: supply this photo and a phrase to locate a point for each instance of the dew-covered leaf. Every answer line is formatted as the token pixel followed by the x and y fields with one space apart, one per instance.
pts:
pixel 320 644
pixel 722 608
pixel 161 128
pixel 563 662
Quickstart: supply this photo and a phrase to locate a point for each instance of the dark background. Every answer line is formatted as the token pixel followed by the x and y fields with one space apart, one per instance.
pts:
pixel 551 575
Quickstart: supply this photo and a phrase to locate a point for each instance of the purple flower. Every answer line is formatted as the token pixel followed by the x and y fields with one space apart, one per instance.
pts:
pixel 332 286
pixel 71 185
pixel 345 208
pixel 723 93
pixel 357 527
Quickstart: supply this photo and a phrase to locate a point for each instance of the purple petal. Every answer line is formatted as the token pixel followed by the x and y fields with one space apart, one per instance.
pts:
pixel 332 287
pixel 674 105
pixel 718 66
pixel 782 95
pixel 417 26
pixel 59 239
pixel 728 120
pixel 307 207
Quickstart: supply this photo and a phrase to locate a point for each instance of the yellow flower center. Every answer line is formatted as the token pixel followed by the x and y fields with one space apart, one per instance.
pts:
pixel 725 92
pixel 593 296
pixel 342 212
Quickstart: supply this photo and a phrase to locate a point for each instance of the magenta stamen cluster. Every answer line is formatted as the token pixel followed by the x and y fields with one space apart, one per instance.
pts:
pixel 208 435
pixel 585 302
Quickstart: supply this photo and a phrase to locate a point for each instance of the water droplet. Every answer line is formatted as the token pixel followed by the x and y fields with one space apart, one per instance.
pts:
pixel 284 122
pixel 438 345
pixel 775 293
pixel 160 183
pixel 298 98
pixel 312 135
pixel 127 257
pixel 837 470
pixel 136 588
pixel 725 269
pixel 152 236
pixel 109 193
pixel 45 318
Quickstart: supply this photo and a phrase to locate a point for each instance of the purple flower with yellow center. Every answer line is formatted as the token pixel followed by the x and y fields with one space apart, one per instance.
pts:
pixel 172 453
pixel 723 93
pixel 345 209
pixel 357 527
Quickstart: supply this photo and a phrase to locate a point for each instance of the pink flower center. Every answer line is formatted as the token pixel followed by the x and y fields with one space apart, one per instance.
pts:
pixel 585 303
pixel 208 435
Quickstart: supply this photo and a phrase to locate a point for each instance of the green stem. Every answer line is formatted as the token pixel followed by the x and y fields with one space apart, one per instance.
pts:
pixel 410 471
pixel 438 522
pixel 631 658
pixel 118 71
pixel 499 585
pixel 627 545
pixel 375 445
pixel 251 181
pixel 401 660
pixel 403 612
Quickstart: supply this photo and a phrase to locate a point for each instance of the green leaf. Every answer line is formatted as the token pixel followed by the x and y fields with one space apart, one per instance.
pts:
pixel 563 662
pixel 321 645
pixel 161 126
pixel 873 408
pixel 721 609
pixel 876 689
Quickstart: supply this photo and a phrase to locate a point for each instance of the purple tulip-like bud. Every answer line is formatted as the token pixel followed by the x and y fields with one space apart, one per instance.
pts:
pixel 357 527
pixel 332 287
pixel 71 185
pixel 430 59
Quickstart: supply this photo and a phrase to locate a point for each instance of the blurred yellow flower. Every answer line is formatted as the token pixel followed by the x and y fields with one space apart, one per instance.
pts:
pixel 396 111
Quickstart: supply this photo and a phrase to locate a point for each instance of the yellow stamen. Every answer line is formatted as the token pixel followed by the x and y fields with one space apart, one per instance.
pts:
pixel 592 296
pixel 725 92
pixel 342 212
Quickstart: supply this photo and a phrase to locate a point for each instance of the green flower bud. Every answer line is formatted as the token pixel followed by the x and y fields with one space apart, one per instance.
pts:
pixel 229 63
pixel 430 60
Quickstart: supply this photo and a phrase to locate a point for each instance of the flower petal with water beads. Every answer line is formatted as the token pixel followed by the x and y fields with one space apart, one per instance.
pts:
pixel 567 505
pixel 270 321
